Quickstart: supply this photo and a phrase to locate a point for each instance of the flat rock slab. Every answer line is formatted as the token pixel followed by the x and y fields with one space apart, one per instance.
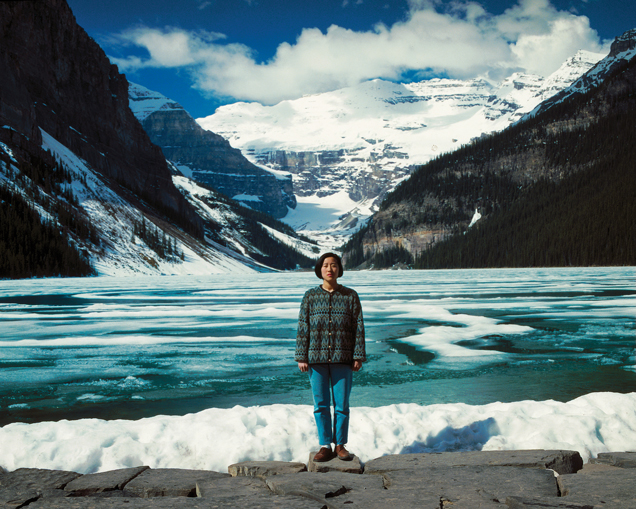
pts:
pixel 248 491
pixel 169 482
pixel 544 503
pixel 563 462
pixel 610 488
pixel 493 484
pixel 264 469
pixel 37 479
pixel 25 485
pixel 331 488
pixel 616 459
pixel 211 488
pixel 103 481
pixel 256 502
pixel 352 466
pixel 323 485
pixel 10 497
pixel 336 489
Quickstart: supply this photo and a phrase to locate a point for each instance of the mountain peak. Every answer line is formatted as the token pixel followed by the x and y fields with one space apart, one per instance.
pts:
pixel 144 102
pixel 624 43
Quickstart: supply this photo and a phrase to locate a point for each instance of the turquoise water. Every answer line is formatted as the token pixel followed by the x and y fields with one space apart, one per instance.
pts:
pixel 137 347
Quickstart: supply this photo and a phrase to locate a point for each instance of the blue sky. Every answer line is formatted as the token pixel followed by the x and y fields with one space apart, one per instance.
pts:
pixel 203 53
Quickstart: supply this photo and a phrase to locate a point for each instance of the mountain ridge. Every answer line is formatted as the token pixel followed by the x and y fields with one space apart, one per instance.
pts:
pixel 622 48
pixel 53 76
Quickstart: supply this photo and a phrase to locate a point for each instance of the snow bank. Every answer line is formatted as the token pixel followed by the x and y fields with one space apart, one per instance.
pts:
pixel 215 438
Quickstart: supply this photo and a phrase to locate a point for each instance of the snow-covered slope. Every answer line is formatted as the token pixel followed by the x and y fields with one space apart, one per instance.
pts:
pixel 120 251
pixel 216 209
pixel 119 248
pixel 363 140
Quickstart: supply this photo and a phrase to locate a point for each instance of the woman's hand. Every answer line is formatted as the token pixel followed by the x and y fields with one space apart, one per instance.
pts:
pixel 303 367
pixel 357 365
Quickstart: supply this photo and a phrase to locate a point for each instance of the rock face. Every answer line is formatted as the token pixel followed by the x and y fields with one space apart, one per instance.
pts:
pixel 54 77
pixel 326 172
pixel 207 157
pixel 486 480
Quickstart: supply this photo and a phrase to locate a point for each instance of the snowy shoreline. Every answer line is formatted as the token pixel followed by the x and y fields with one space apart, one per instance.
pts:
pixel 215 438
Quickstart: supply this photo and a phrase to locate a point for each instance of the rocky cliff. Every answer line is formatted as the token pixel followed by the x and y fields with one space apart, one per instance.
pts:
pixel 54 77
pixel 207 157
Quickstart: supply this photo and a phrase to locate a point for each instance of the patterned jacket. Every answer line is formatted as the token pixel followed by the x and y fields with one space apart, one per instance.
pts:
pixel 330 327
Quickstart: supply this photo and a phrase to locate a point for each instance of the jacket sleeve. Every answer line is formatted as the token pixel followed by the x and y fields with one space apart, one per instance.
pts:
pixel 359 352
pixel 302 333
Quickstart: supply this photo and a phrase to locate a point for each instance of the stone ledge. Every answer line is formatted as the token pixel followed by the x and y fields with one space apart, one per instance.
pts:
pixel 170 482
pixel 616 459
pixel 486 480
pixel 264 469
pixel 562 462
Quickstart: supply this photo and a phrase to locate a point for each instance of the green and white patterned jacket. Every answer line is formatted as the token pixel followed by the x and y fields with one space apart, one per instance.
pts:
pixel 330 327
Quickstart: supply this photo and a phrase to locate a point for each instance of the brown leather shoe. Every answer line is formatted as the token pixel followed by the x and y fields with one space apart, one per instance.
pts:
pixel 342 453
pixel 324 454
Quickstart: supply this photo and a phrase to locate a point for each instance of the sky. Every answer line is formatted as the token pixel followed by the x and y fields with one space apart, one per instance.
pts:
pixel 205 53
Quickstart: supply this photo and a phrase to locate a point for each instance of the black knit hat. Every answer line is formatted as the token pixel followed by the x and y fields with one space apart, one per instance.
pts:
pixel 322 259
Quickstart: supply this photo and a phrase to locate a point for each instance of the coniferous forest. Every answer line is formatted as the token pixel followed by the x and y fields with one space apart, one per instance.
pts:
pixel 30 245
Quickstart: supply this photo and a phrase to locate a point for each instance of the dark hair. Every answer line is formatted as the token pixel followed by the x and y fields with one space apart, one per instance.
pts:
pixel 322 259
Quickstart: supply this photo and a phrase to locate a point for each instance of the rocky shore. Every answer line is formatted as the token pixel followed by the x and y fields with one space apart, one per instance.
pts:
pixel 461 480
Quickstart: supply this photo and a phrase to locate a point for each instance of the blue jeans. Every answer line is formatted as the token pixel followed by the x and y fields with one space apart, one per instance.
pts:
pixel 327 381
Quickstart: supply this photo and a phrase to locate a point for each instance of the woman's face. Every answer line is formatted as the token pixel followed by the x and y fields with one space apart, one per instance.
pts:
pixel 330 269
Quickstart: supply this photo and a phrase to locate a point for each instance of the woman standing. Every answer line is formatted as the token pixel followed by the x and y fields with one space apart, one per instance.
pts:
pixel 330 346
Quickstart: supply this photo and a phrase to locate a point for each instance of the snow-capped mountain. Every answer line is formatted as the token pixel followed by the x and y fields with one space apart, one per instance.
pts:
pixel 207 157
pixel 555 189
pixel 347 148
pixel 118 248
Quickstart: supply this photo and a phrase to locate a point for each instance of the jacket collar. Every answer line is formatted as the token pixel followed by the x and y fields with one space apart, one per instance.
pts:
pixel 337 290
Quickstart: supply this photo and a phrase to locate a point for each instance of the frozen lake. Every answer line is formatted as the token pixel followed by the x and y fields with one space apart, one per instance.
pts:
pixel 131 348
pixel 447 350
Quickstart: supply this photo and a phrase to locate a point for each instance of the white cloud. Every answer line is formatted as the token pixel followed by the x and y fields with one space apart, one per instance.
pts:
pixel 462 40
